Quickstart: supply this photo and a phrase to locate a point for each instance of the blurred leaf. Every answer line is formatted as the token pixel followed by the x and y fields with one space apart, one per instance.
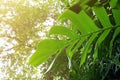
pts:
pixel 113 3
pixel 71 45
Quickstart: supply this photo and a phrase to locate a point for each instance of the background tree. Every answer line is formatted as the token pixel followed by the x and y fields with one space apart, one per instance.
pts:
pixel 23 24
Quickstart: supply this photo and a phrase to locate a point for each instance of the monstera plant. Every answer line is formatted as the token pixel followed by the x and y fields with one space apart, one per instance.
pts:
pixel 88 39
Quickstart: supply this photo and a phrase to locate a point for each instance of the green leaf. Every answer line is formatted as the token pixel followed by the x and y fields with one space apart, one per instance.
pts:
pixel 45 49
pixel 73 17
pixel 115 10
pixel 63 31
pixel 99 41
pixel 116 15
pixel 81 21
pixel 113 3
pixel 101 14
pixel 87 23
pixel 86 49
pixel 116 33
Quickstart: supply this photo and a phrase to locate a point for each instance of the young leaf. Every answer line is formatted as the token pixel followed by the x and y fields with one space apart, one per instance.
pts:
pixel 45 49
pixel 63 31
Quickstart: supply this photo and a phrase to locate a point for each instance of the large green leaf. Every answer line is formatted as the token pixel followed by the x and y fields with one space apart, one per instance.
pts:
pixel 73 17
pixel 115 10
pixel 81 21
pixel 45 49
pixel 86 22
pixel 116 15
pixel 63 31
pixel 102 15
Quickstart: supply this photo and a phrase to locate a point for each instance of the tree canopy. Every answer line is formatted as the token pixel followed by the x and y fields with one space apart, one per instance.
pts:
pixel 23 24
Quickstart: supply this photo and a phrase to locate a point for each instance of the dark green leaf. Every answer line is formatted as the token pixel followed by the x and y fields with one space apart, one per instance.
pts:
pixel 99 41
pixel 115 10
pixel 116 15
pixel 116 33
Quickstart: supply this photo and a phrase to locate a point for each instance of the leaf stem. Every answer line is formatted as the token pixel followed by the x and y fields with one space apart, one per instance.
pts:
pixel 100 30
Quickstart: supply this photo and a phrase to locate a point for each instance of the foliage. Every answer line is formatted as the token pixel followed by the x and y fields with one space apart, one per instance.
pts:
pixel 89 43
